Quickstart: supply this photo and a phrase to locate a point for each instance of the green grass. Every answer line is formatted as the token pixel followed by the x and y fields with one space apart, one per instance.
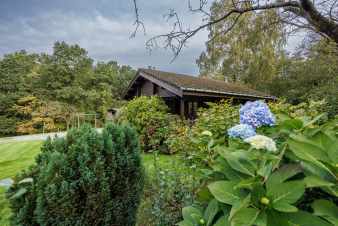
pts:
pixel 17 156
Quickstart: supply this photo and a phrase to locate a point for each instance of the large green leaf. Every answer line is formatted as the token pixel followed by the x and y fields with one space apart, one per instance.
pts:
pixel 191 214
pixel 261 220
pixel 315 181
pixel 223 221
pixel 282 174
pixel 312 154
pixel 275 218
pixel 327 143
pixel 244 203
pixel 240 161
pixel 211 211
pixel 222 166
pixel 303 218
pixel 224 192
pixel 327 210
pixel 284 207
pixel 288 192
pixel 300 144
pixel 185 223
pixel 245 217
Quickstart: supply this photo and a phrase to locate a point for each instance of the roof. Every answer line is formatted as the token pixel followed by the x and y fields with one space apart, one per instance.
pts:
pixel 188 83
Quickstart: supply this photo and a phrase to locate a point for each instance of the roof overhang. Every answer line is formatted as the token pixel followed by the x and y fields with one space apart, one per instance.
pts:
pixel 202 92
pixel 184 91
pixel 139 75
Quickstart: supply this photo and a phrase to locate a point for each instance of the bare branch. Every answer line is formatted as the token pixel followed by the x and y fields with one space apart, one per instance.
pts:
pixel 202 5
pixel 176 39
pixel 138 23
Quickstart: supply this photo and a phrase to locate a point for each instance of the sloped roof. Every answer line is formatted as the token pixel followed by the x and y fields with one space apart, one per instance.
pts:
pixel 197 84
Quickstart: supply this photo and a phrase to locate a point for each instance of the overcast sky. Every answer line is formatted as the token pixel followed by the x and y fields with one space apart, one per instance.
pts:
pixel 102 27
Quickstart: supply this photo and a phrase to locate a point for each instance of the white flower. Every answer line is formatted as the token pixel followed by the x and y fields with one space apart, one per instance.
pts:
pixel 207 133
pixel 262 142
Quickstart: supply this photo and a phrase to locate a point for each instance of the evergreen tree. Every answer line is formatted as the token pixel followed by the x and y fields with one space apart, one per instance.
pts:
pixel 83 179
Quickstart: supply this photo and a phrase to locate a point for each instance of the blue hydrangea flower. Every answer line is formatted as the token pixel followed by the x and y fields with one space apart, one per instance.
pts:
pixel 242 131
pixel 256 114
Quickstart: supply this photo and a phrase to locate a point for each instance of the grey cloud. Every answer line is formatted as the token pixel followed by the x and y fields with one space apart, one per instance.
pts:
pixel 105 35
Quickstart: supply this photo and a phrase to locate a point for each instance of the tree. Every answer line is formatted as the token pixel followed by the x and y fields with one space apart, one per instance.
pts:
pixel 313 76
pixel 320 17
pixel 62 75
pixel 16 69
pixel 86 178
pixel 63 83
pixel 249 53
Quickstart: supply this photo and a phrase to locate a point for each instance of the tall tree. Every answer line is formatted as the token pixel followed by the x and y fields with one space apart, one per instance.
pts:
pixel 249 53
pixel 312 75
pixel 15 72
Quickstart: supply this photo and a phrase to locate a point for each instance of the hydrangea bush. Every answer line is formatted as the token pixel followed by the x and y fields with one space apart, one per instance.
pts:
pixel 283 175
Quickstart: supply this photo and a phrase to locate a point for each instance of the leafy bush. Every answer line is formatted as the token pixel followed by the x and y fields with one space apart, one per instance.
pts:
pixel 212 121
pixel 286 175
pixel 217 118
pixel 150 117
pixel 167 190
pixel 86 178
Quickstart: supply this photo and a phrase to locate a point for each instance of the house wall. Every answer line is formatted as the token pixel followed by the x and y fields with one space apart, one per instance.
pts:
pixel 164 93
pixel 147 88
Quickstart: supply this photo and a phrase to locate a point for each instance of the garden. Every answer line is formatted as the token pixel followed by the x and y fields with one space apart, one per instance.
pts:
pixel 259 164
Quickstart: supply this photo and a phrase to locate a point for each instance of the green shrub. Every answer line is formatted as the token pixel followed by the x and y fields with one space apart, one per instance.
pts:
pixel 150 117
pixel 194 140
pixel 86 178
pixel 167 190
pixel 248 184
pixel 216 119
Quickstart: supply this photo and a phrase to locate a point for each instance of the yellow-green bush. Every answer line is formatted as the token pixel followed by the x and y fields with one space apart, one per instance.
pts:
pixel 150 117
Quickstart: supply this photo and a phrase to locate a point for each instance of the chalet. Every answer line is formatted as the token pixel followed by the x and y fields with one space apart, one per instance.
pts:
pixel 184 93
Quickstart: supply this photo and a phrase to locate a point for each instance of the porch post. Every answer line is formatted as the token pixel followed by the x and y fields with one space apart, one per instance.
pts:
pixel 182 112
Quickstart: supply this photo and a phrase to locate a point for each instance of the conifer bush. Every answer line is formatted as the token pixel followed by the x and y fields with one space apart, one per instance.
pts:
pixel 86 178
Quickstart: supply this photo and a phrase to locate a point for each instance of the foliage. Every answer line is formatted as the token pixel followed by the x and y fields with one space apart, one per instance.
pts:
pixel 65 81
pixel 249 52
pixel 295 184
pixel 211 122
pixel 86 178
pixel 216 118
pixel 150 117
pixel 313 75
pixel 19 155
pixel 167 191
pixel 177 139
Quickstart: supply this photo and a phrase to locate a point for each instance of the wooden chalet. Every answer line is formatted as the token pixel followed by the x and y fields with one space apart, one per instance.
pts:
pixel 184 93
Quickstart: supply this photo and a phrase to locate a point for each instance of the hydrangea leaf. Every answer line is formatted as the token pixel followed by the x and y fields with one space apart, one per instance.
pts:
pixel 327 210
pixel 245 217
pixel 211 211
pixel 224 192
pixel 314 181
pixel 284 207
pixel 288 192
pixel 282 174
pixel 191 214
pixel 244 203
pixel 223 221
pixel 306 219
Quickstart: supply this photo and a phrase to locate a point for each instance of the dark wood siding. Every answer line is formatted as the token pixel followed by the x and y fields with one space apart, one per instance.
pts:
pixel 147 88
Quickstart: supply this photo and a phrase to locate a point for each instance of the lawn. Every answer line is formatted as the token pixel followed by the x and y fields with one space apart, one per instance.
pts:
pixel 16 156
